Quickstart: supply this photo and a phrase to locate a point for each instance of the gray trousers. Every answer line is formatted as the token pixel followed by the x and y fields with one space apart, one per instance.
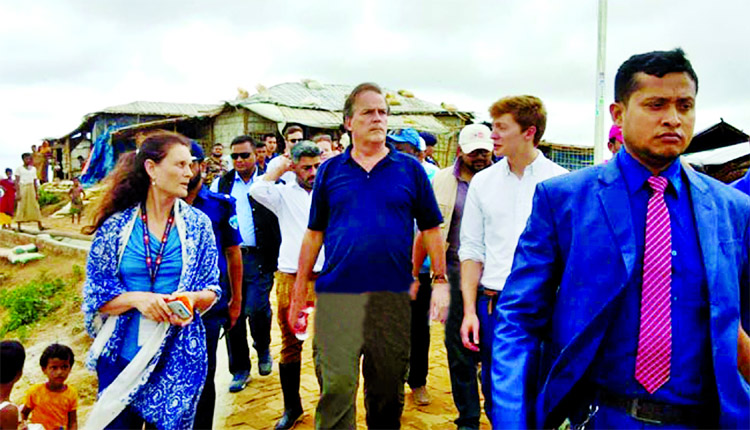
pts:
pixel 375 326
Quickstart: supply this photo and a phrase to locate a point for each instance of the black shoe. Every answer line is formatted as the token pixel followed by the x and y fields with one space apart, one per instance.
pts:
pixel 289 419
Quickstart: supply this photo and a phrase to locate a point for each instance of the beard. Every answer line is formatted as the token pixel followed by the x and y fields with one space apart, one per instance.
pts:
pixel 194 181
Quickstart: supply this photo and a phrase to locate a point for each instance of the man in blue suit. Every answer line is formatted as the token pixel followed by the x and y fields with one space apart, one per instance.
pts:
pixel 572 319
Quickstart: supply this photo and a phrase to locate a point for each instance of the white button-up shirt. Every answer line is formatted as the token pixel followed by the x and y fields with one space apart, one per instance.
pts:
pixel 291 204
pixel 498 204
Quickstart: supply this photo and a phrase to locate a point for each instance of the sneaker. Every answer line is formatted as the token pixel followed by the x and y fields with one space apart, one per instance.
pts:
pixel 239 381
pixel 265 363
pixel 421 396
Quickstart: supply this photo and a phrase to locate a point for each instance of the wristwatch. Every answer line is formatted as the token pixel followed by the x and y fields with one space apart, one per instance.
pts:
pixel 437 277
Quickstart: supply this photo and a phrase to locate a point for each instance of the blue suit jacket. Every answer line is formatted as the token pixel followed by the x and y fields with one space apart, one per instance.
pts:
pixel 573 260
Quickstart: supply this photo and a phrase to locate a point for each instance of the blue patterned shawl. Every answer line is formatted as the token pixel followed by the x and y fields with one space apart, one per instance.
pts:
pixel 168 395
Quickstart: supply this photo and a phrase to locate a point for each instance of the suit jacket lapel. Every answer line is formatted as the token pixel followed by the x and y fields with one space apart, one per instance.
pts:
pixel 615 201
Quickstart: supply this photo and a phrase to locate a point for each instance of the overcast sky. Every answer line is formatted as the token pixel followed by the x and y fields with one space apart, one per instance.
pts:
pixel 62 59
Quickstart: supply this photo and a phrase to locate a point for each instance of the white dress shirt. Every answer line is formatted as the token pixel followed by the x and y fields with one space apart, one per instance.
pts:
pixel 291 204
pixel 498 204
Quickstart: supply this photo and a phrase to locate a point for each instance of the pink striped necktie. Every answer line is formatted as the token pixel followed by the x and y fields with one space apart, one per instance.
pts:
pixel 652 361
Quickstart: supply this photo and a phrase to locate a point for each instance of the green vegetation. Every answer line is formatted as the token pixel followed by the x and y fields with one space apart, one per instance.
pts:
pixel 48 198
pixel 31 302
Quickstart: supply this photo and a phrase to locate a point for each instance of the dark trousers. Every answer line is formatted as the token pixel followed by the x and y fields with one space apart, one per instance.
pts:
pixel 348 326
pixel 204 415
pixel 420 333
pixel 462 363
pixel 106 372
pixel 256 310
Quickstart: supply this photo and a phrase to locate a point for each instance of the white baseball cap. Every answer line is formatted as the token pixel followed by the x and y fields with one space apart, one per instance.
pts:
pixel 473 137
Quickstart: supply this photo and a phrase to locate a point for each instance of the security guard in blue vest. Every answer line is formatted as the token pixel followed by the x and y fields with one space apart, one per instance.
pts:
pixel 221 210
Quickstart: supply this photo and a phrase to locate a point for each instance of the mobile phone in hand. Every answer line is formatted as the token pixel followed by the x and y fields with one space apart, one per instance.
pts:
pixel 179 309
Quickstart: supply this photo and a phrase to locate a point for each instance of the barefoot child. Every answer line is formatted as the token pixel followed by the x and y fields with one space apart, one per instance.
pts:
pixel 77 195
pixel 12 356
pixel 53 404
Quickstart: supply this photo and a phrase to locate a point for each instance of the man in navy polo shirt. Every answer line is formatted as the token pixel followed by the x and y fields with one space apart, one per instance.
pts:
pixel 363 209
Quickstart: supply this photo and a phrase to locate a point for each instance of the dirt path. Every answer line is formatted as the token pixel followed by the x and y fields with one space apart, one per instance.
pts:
pixel 260 405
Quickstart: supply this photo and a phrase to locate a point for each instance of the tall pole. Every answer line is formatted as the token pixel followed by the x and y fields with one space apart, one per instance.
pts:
pixel 601 113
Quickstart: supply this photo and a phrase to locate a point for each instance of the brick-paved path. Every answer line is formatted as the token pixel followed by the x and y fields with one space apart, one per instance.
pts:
pixel 260 405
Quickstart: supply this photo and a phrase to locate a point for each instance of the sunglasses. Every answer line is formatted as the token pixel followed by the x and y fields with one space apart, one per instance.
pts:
pixel 242 155
pixel 294 140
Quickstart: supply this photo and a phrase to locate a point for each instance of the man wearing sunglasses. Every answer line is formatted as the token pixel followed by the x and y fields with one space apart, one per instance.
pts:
pixel 292 135
pixel 259 229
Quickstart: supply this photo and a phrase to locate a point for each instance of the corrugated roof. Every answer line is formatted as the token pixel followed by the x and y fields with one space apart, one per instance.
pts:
pixel 329 119
pixel 160 108
pixel 719 156
pixel 331 97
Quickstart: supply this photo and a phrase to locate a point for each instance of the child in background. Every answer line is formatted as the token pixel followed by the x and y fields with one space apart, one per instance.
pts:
pixel 77 195
pixel 53 404
pixel 12 357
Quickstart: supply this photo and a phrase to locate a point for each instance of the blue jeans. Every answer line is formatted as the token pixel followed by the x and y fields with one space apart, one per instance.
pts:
pixel 256 309
pixel 462 362
pixel 487 321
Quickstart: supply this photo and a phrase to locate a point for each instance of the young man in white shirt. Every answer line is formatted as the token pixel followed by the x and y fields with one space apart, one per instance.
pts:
pixel 290 202
pixel 498 204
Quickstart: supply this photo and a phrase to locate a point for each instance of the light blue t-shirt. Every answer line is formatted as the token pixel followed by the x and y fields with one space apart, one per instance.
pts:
pixel 134 274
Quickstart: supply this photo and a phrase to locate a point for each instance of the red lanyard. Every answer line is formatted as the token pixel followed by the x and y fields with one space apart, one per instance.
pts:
pixel 152 271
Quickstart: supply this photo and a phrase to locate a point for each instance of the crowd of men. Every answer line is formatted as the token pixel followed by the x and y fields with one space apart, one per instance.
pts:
pixel 613 297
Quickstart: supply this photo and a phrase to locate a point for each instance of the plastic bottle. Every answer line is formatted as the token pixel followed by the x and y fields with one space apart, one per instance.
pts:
pixel 303 317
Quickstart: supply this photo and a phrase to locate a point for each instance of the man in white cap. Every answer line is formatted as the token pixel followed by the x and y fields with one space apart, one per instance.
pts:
pixel 498 204
pixel 451 185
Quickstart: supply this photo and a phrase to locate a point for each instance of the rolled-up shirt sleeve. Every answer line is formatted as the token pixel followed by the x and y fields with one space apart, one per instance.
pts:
pixel 472 228
pixel 268 194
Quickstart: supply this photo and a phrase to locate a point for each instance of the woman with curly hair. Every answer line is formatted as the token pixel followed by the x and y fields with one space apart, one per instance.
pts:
pixel 150 249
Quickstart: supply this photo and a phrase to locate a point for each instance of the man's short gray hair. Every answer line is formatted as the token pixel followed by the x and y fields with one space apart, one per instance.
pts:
pixel 304 148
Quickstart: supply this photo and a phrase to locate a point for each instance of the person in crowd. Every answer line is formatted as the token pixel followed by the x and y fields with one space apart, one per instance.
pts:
pixel 430 142
pixel 8 199
pixel 497 206
pixel 12 357
pixel 269 139
pixel 27 192
pixel 261 155
pixel 215 164
pixel 39 161
pixel 81 162
pixel 451 186
pixel 293 135
pixel 259 230
pixel 633 275
pixel 76 194
pixel 363 208
pixel 220 209
pixel 290 202
pixel 408 141
pixel 615 139
pixel 325 143
pixel 53 404
pixel 152 270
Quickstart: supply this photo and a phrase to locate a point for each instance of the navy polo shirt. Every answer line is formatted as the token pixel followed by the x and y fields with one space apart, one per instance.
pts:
pixel 691 379
pixel 220 210
pixel 367 220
